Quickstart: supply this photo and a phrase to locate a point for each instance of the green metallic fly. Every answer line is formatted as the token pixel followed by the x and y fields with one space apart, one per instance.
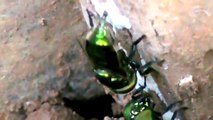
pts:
pixel 112 67
pixel 117 70
pixel 141 107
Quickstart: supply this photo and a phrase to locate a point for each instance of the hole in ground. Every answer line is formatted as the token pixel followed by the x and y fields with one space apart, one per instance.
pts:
pixel 97 107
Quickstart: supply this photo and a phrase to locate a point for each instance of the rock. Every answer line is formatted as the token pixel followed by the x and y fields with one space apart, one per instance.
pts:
pixel 179 33
pixel 30 106
pixel 56 112
pixel 187 87
pixel 40 55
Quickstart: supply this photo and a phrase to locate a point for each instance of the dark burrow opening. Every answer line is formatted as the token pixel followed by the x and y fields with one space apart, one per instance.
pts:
pixel 96 107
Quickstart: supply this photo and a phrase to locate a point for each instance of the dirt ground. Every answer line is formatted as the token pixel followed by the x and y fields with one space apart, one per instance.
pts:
pixel 37 40
pixel 180 32
pixel 41 62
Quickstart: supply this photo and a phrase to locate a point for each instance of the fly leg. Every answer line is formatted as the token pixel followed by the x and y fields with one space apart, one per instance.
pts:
pixel 134 46
pixel 90 14
pixel 141 88
pixel 176 107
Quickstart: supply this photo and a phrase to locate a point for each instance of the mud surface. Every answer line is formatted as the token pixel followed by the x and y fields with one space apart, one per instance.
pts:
pixel 41 63
pixel 180 32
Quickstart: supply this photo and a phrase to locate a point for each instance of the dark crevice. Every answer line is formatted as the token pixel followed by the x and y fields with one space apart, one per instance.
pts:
pixel 97 107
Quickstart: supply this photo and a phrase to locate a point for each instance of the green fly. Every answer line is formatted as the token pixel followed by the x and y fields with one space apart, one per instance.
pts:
pixel 141 107
pixel 112 67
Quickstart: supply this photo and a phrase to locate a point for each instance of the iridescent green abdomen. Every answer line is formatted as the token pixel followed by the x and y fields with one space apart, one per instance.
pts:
pixel 116 81
pixel 108 67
